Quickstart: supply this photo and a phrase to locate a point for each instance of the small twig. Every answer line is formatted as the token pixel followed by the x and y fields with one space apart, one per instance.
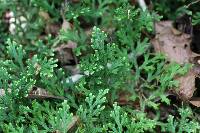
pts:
pixel 192 3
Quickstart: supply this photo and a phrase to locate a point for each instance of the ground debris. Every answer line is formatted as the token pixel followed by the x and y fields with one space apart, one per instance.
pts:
pixel 176 46
pixel 72 127
pixel 40 93
pixel 195 101
pixel 65 54
pixel 35 93
pixel 173 43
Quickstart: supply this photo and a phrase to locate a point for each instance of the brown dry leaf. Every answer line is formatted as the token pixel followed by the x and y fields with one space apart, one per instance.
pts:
pixel 195 101
pixel 52 28
pixel 72 127
pixel 65 54
pixel 186 85
pixel 176 46
pixel 65 51
pixel 39 93
pixel 36 93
